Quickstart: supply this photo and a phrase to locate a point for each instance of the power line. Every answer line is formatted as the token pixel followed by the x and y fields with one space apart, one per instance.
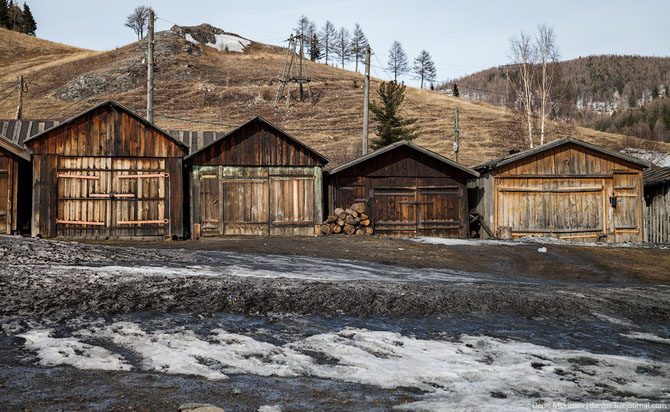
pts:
pixel 10 92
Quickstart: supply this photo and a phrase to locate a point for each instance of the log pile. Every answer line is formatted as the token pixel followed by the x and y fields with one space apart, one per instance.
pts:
pixel 350 221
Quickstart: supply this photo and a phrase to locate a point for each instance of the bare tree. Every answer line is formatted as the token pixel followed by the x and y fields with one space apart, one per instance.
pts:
pixel 328 35
pixel 547 51
pixel 358 44
pixel 524 56
pixel 342 46
pixel 397 62
pixel 424 67
pixel 137 20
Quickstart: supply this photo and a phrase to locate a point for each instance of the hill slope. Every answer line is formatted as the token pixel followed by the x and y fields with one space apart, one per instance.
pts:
pixel 202 88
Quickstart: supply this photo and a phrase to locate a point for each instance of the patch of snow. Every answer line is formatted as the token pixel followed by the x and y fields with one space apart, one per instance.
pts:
pixel 615 321
pixel 229 42
pixel 542 250
pixel 270 408
pixel 460 242
pixel 649 337
pixel 70 351
pixel 190 39
pixel 462 373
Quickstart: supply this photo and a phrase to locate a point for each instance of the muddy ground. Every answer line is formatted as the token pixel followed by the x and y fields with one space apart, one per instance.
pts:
pixel 603 300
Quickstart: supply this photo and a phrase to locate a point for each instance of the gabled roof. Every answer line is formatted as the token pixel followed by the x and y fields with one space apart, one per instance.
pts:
pixel 19 130
pixel 13 148
pixel 269 124
pixel 496 163
pixel 658 176
pixel 410 145
pixel 112 104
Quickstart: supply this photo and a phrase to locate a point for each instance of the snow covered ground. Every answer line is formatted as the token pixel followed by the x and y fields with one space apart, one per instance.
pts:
pixel 229 42
pixel 462 371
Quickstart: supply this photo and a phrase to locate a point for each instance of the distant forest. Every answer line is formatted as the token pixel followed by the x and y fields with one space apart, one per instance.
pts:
pixel 618 94
pixel 13 17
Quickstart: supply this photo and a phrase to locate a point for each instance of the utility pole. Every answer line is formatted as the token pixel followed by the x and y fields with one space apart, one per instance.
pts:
pixel 19 107
pixel 457 133
pixel 150 67
pixel 302 40
pixel 366 100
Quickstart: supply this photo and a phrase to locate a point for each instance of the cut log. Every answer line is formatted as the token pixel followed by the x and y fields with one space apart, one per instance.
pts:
pixel 337 229
pixel 350 220
pixel 340 222
pixel 365 222
pixel 363 216
pixel 369 230
pixel 331 219
pixel 354 213
pixel 357 220
pixel 358 207
pixel 342 215
pixel 360 231
pixel 349 229
pixel 325 228
pixel 338 211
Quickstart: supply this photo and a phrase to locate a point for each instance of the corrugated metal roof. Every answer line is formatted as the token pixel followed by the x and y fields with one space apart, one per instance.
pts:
pixel 18 131
pixel 653 177
pixel 495 163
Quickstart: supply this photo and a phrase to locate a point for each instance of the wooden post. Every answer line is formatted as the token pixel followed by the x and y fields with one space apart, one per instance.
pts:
pixel 150 66
pixel 19 107
pixel 366 100
pixel 302 92
pixel 457 138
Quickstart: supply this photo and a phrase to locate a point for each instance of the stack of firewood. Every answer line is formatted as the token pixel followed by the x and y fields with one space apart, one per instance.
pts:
pixel 351 221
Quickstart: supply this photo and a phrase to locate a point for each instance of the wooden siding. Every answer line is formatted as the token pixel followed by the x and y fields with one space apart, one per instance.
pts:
pixel 9 189
pixel 565 192
pixel 657 213
pixel 256 144
pixel 228 200
pixel 107 174
pixel 407 193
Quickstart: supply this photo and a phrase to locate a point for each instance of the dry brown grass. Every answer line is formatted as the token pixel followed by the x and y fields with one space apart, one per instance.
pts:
pixel 220 90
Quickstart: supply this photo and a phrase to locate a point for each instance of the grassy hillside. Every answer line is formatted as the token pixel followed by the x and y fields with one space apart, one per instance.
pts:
pixel 201 88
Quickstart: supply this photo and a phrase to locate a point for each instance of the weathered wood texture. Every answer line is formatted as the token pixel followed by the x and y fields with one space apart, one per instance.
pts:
pixel 407 193
pixel 569 191
pixel 107 173
pixel 256 180
pixel 9 183
pixel 657 206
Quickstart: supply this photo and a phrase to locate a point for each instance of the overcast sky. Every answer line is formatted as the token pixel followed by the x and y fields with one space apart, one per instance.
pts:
pixel 462 36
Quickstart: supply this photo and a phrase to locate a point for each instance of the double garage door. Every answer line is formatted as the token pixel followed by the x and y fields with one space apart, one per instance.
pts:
pixel 6 194
pixel 112 197
pixel 255 200
pixel 419 211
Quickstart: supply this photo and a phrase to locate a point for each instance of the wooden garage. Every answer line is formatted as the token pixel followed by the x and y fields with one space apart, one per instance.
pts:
pixel 256 180
pixel 657 205
pixel 14 186
pixel 409 191
pixel 568 189
pixel 107 173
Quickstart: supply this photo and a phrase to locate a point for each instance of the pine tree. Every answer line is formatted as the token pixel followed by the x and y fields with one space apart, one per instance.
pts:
pixel 4 17
pixel 28 24
pixel 455 91
pixel 359 42
pixel 342 46
pixel 14 16
pixel 397 62
pixel 327 38
pixel 655 92
pixel 390 127
pixel 315 48
pixel 424 67
pixel 310 35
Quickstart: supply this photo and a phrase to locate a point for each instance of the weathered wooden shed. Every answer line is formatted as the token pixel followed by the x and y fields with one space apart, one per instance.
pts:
pixel 657 205
pixel 107 173
pixel 567 188
pixel 256 180
pixel 409 191
pixel 14 186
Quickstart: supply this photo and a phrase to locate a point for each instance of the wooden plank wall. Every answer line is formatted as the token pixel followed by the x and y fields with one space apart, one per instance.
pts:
pixel 106 133
pixel 565 192
pixel 403 170
pixel 657 213
pixel 9 189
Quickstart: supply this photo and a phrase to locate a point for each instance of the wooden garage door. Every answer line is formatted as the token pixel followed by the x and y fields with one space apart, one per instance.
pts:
pixel 628 208
pixel 422 211
pixel 5 195
pixel 568 208
pixel 115 197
